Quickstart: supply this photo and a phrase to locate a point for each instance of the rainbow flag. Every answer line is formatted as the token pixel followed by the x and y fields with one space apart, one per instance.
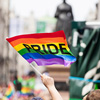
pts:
pixel 10 91
pixel 25 91
pixel 43 48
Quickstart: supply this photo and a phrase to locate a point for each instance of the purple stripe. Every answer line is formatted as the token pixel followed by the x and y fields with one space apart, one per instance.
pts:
pixel 58 61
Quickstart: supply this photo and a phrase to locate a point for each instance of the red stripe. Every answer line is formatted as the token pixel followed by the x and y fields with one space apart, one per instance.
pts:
pixel 39 35
pixel 37 41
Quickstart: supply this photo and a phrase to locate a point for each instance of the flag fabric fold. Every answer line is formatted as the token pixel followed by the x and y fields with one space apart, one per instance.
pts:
pixel 43 48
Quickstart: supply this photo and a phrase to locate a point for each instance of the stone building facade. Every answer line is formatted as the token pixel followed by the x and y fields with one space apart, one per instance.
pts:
pixel 4 32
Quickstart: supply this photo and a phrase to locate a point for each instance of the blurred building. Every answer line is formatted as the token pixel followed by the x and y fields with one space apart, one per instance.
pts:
pixel 98 11
pixel 16 24
pixel 94 14
pixel 47 23
pixel 29 24
pixel 4 49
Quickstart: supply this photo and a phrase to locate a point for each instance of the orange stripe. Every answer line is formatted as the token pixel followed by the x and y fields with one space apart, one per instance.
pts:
pixel 37 41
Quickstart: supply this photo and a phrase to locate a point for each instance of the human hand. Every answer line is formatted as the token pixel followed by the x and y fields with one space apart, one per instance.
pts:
pixel 47 81
pixel 85 97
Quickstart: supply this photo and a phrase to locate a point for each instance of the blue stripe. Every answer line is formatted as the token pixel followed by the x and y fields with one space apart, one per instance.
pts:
pixel 83 79
pixel 25 94
pixel 48 56
pixel 10 95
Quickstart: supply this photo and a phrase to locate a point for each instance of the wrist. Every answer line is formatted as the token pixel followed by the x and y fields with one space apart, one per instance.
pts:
pixel 51 87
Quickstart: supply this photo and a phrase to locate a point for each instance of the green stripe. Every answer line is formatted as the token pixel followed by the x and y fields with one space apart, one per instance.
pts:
pixel 75 99
pixel 24 51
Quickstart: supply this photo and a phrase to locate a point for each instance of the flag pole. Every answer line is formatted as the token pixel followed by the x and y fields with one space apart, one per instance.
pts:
pixel 33 65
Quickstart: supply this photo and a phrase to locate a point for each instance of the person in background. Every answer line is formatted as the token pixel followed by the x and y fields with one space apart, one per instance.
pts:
pixel 49 83
pixel 17 84
pixel 93 95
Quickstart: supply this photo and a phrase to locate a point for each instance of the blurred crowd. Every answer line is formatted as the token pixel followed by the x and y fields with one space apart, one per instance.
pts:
pixel 24 88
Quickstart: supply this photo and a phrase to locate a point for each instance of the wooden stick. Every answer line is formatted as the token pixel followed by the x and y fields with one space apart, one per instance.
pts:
pixel 33 65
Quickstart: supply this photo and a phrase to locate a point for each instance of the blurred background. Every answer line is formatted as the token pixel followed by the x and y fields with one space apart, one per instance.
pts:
pixel 80 20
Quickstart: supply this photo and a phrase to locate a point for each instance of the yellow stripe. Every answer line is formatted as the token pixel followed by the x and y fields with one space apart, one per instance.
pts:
pixel 21 46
